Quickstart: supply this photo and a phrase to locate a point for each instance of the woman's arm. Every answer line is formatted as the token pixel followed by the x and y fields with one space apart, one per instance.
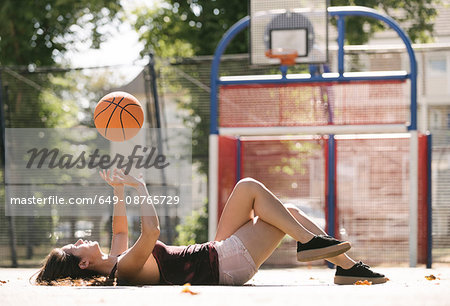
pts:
pixel 133 261
pixel 119 241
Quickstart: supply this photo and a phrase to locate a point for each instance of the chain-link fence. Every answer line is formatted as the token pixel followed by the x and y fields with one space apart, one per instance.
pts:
pixel 54 97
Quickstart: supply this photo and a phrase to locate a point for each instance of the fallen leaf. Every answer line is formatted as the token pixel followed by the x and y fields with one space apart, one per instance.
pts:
pixel 2 282
pixel 431 277
pixel 364 282
pixel 187 289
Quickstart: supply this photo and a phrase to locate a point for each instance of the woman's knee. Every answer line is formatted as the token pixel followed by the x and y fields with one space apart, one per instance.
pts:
pixel 248 184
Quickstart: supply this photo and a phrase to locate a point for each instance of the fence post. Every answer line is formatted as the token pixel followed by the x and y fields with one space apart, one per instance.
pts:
pixel 429 202
pixel 331 188
pixel 10 219
pixel 154 89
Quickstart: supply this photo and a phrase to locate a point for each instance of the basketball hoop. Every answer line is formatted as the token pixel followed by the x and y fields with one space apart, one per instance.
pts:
pixel 286 56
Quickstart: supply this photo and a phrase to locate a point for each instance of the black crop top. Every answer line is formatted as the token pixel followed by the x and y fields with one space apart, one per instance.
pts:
pixel 197 264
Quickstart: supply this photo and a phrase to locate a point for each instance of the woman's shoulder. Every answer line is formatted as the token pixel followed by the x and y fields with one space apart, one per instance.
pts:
pixel 148 274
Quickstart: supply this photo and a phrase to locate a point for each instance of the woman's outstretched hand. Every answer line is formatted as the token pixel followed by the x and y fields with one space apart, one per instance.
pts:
pixel 129 179
pixel 118 179
pixel 113 180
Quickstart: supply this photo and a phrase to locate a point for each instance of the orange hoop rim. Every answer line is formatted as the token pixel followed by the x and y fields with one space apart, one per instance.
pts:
pixel 286 56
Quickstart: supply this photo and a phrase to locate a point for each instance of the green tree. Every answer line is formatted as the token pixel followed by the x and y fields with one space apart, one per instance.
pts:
pixel 184 28
pixel 194 229
pixel 416 17
pixel 187 28
pixel 36 32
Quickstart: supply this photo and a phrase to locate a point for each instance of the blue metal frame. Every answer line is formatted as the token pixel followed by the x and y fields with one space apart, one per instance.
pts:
pixel 227 37
pixel 238 159
pixel 341 41
pixel 312 79
pixel 331 197
pixel 340 13
pixel 367 12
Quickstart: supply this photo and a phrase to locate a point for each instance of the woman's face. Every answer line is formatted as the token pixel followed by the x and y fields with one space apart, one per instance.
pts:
pixel 84 249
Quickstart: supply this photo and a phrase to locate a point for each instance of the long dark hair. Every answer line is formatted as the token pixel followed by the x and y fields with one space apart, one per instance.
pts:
pixel 61 268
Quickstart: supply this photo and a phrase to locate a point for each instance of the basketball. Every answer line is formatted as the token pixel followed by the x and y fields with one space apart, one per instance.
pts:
pixel 118 116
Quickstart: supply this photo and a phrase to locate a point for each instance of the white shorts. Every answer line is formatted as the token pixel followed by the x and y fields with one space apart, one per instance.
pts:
pixel 236 265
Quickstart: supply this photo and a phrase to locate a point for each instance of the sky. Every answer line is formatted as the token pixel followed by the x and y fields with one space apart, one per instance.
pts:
pixel 121 48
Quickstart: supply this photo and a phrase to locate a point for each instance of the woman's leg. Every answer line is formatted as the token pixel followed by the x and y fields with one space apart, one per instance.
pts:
pixel 260 238
pixel 250 197
pixel 342 260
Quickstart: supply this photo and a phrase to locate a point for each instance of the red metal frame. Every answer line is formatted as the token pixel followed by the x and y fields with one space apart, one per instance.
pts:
pixel 227 170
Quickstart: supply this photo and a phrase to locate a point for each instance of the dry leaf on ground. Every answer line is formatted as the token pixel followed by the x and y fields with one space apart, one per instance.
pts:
pixel 187 289
pixel 364 282
pixel 431 277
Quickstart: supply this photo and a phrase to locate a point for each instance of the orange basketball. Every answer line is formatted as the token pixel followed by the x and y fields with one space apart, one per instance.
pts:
pixel 118 116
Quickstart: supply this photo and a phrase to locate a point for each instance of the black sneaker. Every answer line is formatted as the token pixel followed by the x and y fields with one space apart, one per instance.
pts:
pixel 359 272
pixel 321 247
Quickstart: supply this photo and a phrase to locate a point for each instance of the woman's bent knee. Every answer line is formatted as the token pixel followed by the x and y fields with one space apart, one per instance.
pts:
pixel 248 184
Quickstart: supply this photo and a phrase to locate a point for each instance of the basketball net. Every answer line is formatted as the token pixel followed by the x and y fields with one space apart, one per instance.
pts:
pixel 286 56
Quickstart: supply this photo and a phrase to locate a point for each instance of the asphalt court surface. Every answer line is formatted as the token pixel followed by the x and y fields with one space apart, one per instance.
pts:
pixel 296 286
